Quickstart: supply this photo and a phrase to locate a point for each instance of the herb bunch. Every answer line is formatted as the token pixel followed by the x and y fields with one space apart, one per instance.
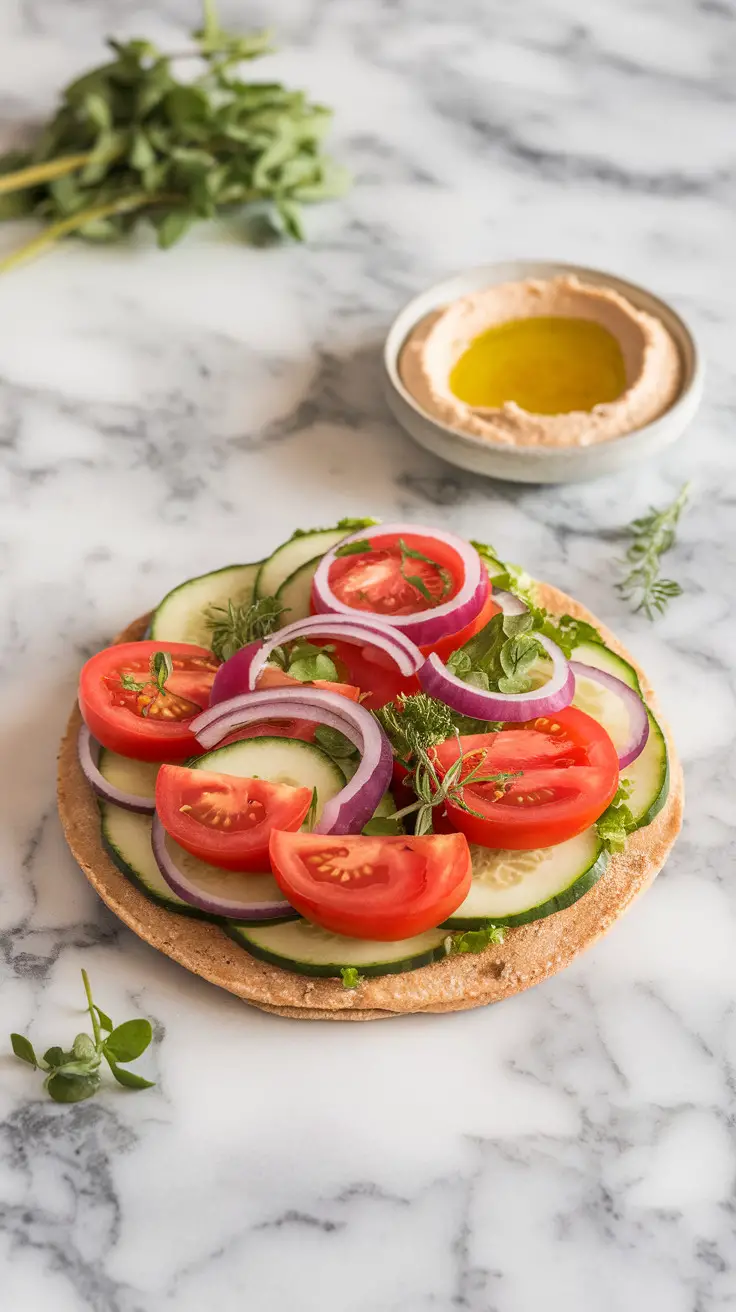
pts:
pixel 132 141
pixel 74 1075
pixel 500 656
pixel 652 535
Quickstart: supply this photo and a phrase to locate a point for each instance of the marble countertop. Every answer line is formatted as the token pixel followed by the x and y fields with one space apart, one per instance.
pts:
pixel 161 415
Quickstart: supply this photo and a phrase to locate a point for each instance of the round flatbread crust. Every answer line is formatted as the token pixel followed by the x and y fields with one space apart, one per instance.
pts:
pixel 529 954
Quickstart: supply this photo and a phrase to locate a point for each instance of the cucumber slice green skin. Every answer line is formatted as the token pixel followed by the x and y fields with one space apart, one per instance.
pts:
pixel 433 949
pixel 295 592
pixel 655 757
pixel 291 555
pixel 580 885
pixel 168 900
pixel 180 616
pixel 600 656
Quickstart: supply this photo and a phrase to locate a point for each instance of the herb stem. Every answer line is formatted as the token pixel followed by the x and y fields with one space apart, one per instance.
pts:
pixel 35 174
pixel 91 1008
pixel 52 234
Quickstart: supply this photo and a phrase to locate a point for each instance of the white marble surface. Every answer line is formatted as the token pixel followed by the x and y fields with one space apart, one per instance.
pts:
pixel 164 414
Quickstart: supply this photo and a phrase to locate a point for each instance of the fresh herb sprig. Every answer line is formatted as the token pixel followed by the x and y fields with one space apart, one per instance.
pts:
pixel 161 668
pixel 132 141
pixel 475 940
pixel 351 978
pixel 653 535
pixel 414 726
pixel 234 626
pixel 74 1075
pixel 617 821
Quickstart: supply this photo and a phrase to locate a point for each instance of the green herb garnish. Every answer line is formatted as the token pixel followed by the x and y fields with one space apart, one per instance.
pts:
pixel 308 662
pixel 653 535
pixel 350 977
pixel 500 656
pixel 475 940
pixel 334 743
pixel 408 553
pixel 162 667
pixel 74 1075
pixel 130 683
pixel 354 548
pixel 414 726
pixel 617 821
pixel 234 626
pixel 131 141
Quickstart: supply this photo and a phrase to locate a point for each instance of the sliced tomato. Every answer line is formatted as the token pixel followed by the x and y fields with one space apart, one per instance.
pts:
pixel 568 775
pixel 225 819
pixel 373 672
pixel 124 709
pixel 272 677
pixel 375 888
pixel 379 580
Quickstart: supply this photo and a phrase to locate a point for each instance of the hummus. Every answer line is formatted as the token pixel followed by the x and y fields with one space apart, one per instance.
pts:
pixel 653 369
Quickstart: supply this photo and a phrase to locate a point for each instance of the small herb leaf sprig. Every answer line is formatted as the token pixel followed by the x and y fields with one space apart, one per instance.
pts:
pixel 74 1075
pixel 500 656
pixel 133 141
pixel 652 535
pixel 234 626
pixel 416 723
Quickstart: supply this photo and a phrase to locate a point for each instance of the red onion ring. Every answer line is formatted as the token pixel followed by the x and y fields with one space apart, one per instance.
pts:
pixel 353 806
pixel 427 626
pixel 89 755
pixel 232 677
pixel 401 649
pixel 634 706
pixel 515 707
pixel 233 908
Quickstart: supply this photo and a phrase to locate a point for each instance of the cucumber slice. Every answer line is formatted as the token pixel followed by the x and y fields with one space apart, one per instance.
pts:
pixel 295 593
pixel 308 950
pixel 512 888
pixel 649 776
pixel 282 760
pixel 181 616
pixel 595 653
pixel 136 777
pixel 127 837
pixel 299 550
pixel 604 706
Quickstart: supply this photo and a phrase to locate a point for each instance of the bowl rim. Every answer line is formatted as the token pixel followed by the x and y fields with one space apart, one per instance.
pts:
pixel 418 306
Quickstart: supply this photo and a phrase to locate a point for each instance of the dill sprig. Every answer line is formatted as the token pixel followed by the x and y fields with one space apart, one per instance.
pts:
pixel 234 626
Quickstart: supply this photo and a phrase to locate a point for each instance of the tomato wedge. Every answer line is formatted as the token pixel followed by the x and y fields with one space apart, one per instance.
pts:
pixel 379 888
pixel 569 774
pixel 225 819
pixel 126 711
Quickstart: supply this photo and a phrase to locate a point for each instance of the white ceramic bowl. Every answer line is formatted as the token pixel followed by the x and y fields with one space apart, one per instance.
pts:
pixel 534 464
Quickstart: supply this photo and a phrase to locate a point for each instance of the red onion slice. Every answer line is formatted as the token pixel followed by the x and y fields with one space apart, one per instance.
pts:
pixel 405 654
pixel 353 806
pixel 426 626
pixel 89 755
pixel 516 707
pixel 508 601
pixel 199 886
pixel 232 677
pixel 635 709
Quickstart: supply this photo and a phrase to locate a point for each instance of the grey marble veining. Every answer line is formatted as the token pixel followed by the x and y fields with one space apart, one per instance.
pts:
pixel 164 414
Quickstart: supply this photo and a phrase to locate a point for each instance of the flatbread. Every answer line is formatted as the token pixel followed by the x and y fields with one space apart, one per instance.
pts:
pixel 529 954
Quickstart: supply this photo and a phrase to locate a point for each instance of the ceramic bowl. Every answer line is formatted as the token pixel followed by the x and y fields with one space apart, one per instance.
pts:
pixel 535 464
